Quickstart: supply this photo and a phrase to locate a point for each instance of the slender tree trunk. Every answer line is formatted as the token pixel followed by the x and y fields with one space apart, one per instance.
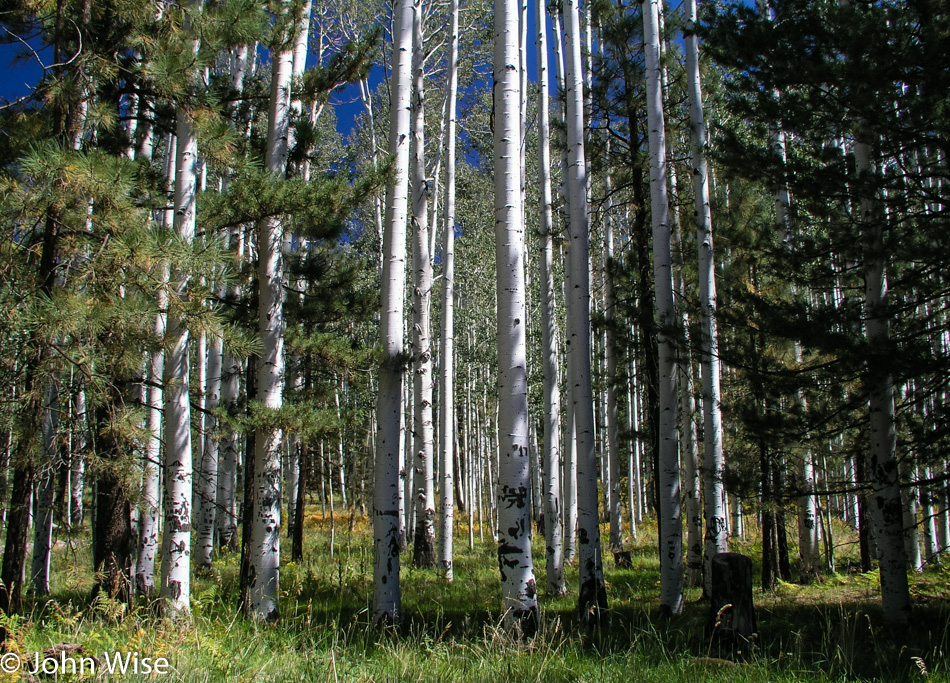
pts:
pixel 264 547
pixel 112 541
pixel 610 351
pixel 670 516
pixel 519 594
pixel 714 463
pixel 296 554
pixel 208 483
pixel 592 595
pixel 151 503
pixel 552 394
pixel 176 545
pixel 423 547
pixel 43 496
pixel 77 461
pixel 386 537
pixel 882 454
pixel 447 432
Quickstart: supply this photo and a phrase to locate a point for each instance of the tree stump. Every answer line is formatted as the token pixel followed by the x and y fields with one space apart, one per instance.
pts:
pixel 622 560
pixel 731 612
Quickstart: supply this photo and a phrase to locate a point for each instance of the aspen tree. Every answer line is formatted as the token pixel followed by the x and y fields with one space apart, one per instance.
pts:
pixel 592 594
pixel 551 485
pixel 423 547
pixel 178 472
pixel 714 464
pixel 519 593
pixel 447 431
pixel 670 516
pixel 386 538
pixel 262 599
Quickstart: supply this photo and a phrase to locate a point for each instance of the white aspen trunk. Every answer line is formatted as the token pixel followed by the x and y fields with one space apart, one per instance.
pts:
pixel 943 523
pixel 519 594
pixel 208 484
pixel 569 443
pixel 225 494
pixel 592 593
pixel 176 542
pixel 885 500
pixel 423 547
pixel 714 463
pixel 77 463
pixel 670 514
pixel 263 589
pixel 689 452
pixel 151 504
pixel 611 426
pixel 911 537
pixel 367 96
pixel 386 539
pixel 299 66
pixel 551 485
pixel 447 390
pixel 43 496
pixel 340 451
pixel 929 517
pixel 633 459
pixel 691 472
pixel 201 370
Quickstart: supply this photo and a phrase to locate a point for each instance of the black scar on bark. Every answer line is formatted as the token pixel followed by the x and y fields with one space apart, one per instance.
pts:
pixel 525 623
pixel 515 498
pixel 592 603
pixel 506 549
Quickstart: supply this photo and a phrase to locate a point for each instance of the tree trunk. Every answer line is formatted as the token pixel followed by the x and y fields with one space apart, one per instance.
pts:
pixel 176 545
pixel 43 496
pixel 552 396
pixel 519 594
pixel 447 432
pixel 423 547
pixel 112 541
pixel 386 544
pixel 714 464
pixel 265 530
pixel 208 482
pixel 670 517
pixel 592 594
pixel 882 454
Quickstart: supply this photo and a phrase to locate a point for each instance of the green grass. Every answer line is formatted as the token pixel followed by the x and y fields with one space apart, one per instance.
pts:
pixel 827 631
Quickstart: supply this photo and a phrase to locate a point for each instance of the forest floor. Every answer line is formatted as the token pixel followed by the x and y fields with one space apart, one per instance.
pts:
pixel 830 630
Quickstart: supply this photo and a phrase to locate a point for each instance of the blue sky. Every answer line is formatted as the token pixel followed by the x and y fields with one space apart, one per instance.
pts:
pixel 21 72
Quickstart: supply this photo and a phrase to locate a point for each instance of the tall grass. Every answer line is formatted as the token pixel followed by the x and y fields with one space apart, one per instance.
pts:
pixel 828 631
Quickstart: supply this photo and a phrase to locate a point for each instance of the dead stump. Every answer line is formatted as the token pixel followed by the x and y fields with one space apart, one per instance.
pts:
pixel 731 612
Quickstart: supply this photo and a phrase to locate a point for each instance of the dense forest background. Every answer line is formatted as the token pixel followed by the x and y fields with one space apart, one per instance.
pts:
pixel 482 328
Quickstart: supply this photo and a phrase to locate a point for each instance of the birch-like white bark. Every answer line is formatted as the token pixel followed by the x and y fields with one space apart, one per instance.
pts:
pixel 208 482
pixel 386 537
pixel 43 496
pixel 519 593
pixel 670 514
pixel 77 472
pixel 176 542
pixel 149 521
pixel 265 530
pixel 423 547
pixel 882 454
pixel 551 486
pixel 592 593
pixel 447 432
pixel 714 464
